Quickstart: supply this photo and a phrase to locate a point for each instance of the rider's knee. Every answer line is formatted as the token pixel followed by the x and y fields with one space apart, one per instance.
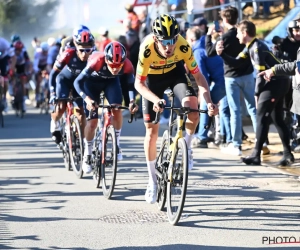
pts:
pixel 193 116
pixel 92 124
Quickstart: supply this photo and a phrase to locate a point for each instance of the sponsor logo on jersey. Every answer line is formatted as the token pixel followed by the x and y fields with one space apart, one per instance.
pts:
pixel 194 64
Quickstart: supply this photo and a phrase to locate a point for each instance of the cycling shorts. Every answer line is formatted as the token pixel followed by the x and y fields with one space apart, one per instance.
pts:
pixel 175 79
pixel 112 90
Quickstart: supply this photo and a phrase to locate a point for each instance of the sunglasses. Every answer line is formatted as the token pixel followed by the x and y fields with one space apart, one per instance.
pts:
pixel 88 50
pixel 168 42
pixel 115 66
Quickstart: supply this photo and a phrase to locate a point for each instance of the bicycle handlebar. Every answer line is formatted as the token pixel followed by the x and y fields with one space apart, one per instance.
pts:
pixel 113 106
pixel 183 111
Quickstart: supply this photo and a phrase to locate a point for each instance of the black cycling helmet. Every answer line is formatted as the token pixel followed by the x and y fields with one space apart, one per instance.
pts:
pixel 165 27
pixel 292 25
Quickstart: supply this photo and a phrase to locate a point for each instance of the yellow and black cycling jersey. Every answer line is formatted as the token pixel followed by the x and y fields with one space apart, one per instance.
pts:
pixel 152 62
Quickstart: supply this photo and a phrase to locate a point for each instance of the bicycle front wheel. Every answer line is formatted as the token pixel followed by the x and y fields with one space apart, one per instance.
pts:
pixel 177 186
pixel 65 147
pixel 76 146
pixel 161 169
pixel 109 167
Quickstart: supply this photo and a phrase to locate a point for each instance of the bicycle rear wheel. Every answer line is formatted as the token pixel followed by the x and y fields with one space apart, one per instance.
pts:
pixel 161 169
pixel 176 189
pixel 109 167
pixel 76 146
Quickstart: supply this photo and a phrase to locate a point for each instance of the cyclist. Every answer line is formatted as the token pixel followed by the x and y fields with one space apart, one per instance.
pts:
pixel 68 41
pixel 62 78
pixel 101 74
pixel 40 68
pixel 160 66
pixel 7 61
pixel 23 66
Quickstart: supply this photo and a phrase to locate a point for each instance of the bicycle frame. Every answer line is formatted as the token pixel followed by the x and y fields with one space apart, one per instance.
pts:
pixel 172 143
pixel 106 121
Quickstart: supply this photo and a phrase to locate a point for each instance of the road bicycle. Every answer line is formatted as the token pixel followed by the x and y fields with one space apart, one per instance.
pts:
pixel 72 142
pixel 44 96
pixel 105 149
pixel 18 95
pixel 171 167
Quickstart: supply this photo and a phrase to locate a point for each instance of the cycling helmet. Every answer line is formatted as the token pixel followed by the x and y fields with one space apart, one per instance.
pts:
pixel 83 36
pixel 18 45
pixel 44 46
pixel 115 52
pixel 165 27
pixel 292 25
pixel 15 38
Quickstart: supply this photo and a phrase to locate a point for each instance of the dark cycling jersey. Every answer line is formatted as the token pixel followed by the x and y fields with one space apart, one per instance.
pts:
pixel 70 60
pixel 97 70
pixel 22 60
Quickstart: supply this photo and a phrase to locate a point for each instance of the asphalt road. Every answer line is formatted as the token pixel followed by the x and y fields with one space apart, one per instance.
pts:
pixel 228 205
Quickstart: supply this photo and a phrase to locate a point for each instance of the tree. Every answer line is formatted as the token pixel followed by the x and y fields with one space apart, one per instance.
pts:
pixel 26 18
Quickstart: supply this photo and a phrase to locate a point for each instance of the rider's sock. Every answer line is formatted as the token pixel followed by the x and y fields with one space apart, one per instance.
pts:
pixel 188 139
pixel 151 172
pixel 118 134
pixel 88 145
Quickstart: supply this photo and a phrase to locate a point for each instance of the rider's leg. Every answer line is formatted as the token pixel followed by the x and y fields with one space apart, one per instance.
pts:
pixel 113 94
pixel 188 98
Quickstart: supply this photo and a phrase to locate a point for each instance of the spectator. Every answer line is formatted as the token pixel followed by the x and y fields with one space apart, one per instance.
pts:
pixel 236 79
pixel 195 9
pixel 212 70
pixel 132 16
pixel 104 39
pixel 201 23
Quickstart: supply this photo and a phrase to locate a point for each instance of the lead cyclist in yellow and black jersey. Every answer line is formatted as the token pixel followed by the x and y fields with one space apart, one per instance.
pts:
pixel 161 65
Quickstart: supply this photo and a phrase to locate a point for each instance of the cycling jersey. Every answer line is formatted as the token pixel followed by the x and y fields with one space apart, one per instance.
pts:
pixel 151 62
pixel 22 60
pixel 96 78
pixel 72 62
pixel 40 60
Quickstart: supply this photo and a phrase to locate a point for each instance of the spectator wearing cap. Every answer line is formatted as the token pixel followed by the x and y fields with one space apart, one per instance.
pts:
pixel 104 39
pixel 201 23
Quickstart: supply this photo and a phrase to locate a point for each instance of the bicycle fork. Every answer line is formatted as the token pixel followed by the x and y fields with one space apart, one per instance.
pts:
pixel 173 145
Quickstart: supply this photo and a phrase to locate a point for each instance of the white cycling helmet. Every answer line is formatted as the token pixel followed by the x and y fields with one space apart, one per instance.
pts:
pixel 44 46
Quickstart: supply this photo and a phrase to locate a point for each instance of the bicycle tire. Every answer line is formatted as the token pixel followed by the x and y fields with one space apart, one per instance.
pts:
pixel 65 149
pixel 161 182
pixel 180 179
pixel 110 161
pixel 76 147
pixel 97 161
